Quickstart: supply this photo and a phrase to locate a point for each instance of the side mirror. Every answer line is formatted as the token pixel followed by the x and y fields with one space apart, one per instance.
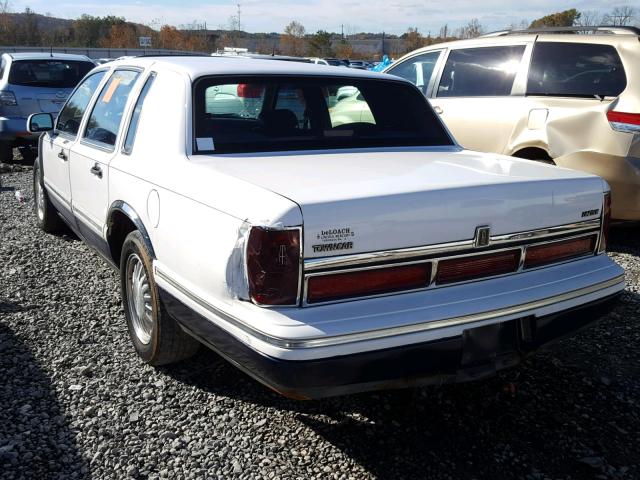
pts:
pixel 40 122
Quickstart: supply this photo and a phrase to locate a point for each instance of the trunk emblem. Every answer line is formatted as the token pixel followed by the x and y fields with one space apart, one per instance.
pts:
pixel 482 236
pixel 61 94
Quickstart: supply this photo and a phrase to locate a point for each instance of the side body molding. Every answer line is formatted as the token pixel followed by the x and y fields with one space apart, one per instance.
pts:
pixel 129 212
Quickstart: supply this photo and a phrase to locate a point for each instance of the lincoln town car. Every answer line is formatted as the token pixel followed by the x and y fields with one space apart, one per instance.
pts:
pixel 320 253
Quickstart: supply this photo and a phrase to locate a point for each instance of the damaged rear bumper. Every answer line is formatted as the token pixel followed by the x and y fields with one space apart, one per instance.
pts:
pixel 477 353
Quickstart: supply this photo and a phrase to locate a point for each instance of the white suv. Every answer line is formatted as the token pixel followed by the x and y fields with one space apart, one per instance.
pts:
pixel 570 96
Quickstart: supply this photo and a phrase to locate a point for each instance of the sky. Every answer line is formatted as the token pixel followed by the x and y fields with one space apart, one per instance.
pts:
pixel 393 16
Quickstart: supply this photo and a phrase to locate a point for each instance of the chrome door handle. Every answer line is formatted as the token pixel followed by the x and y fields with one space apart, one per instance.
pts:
pixel 62 155
pixel 438 110
pixel 96 170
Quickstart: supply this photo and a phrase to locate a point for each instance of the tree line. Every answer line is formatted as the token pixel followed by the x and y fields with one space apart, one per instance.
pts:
pixel 31 29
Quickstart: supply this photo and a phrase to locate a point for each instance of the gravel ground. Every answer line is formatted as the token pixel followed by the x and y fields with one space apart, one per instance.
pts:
pixel 75 401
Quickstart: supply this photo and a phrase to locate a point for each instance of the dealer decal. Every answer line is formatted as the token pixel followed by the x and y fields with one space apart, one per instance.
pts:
pixel 333 239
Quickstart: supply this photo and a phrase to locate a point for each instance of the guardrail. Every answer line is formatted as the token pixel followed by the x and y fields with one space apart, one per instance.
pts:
pixel 99 52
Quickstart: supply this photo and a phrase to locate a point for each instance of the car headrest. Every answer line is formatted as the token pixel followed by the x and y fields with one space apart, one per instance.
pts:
pixel 280 121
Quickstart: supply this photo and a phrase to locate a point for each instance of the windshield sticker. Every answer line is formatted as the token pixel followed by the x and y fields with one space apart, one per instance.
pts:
pixel 204 143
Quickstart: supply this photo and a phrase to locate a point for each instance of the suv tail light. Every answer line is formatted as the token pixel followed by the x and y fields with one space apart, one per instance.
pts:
pixel 250 90
pixel 624 122
pixel 273 266
pixel 606 222
pixel 8 98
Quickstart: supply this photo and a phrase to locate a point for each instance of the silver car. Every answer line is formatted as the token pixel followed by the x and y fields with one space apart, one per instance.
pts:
pixel 34 83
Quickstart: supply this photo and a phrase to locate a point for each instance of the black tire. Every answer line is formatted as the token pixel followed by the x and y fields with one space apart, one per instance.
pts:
pixel 163 342
pixel 6 152
pixel 46 214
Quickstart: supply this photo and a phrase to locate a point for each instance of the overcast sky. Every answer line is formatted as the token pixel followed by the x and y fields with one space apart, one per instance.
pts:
pixel 393 16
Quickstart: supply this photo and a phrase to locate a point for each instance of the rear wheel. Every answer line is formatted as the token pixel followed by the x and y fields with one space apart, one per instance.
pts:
pixel 6 152
pixel 156 336
pixel 46 214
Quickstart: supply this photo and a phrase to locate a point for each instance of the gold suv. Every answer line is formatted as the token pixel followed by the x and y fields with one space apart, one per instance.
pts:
pixel 569 95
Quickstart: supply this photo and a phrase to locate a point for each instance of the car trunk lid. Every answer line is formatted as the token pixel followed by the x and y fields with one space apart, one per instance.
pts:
pixel 356 202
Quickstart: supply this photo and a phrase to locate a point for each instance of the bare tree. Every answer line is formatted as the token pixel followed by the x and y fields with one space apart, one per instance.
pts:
pixel 620 16
pixel 472 29
pixel 292 41
pixel 588 18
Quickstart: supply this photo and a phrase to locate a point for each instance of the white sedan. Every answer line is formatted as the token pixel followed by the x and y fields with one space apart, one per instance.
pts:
pixel 319 255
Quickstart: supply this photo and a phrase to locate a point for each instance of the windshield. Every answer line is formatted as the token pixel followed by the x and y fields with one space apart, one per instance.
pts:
pixel 253 114
pixel 48 73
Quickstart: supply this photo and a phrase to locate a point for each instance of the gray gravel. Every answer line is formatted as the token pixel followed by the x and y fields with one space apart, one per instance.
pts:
pixel 75 401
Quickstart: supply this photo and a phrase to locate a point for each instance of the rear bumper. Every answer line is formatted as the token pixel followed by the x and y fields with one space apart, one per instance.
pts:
pixel 14 129
pixel 476 353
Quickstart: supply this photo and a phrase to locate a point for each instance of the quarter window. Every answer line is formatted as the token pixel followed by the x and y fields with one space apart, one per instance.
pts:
pixel 480 72
pixel 135 117
pixel 418 70
pixel 575 70
pixel 105 119
pixel 71 115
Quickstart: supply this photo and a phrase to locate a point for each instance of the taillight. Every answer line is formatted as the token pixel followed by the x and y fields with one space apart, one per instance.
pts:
pixel 250 90
pixel 554 252
pixel 323 288
pixel 273 266
pixel 624 122
pixel 8 98
pixel 606 222
pixel 477 266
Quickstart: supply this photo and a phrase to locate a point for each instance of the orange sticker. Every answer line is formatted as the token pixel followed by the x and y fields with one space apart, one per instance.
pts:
pixel 106 98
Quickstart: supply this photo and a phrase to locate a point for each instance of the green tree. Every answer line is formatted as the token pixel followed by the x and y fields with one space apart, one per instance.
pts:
pixel 567 18
pixel 320 44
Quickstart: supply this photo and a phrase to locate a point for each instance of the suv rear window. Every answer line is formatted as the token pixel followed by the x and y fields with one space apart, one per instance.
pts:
pixel 48 73
pixel 575 70
pixel 254 114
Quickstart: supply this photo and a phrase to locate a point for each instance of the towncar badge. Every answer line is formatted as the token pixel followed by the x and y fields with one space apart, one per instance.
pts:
pixel 482 236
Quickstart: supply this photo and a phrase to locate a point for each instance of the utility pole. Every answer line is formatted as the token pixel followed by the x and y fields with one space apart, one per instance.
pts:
pixel 383 44
pixel 342 30
pixel 239 17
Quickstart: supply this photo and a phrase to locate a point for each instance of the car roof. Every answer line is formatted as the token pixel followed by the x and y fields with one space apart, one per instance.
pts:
pixel 198 66
pixel 48 56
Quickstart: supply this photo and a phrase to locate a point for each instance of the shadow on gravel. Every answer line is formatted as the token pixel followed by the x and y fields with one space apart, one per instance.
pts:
pixel 35 439
pixel 625 238
pixel 566 412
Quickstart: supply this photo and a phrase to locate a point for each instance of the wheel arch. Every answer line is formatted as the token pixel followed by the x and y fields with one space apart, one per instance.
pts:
pixel 122 219
pixel 533 153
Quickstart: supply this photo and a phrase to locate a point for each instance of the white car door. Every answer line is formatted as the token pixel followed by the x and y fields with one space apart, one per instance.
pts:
pixel 56 144
pixel 89 158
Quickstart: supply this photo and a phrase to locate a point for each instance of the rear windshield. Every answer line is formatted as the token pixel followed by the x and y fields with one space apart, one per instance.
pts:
pixel 575 70
pixel 254 114
pixel 48 73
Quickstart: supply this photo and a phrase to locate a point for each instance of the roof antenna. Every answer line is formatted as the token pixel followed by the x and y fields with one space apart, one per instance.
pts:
pixel 51 50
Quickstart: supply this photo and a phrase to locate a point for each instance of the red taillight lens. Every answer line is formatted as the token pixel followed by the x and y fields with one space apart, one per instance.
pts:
pixel 273 266
pixel 606 222
pixel 250 90
pixel 468 268
pixel 554 252
pixel 624 122
pixel 323 288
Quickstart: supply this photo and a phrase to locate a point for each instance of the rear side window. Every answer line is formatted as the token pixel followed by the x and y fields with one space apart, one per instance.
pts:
pixel 71 115
pixel 48 73
pixel 575 70
pixel 277 113
pixel 480 72
pixel 105 119
pixel 418 70
pixel 135 117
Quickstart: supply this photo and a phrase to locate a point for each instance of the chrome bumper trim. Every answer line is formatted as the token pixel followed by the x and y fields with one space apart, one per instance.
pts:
pixel 387 256
pixel 328 341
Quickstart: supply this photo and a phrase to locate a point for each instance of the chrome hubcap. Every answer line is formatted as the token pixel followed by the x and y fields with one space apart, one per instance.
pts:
pixel 139 299
pixel 39 201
